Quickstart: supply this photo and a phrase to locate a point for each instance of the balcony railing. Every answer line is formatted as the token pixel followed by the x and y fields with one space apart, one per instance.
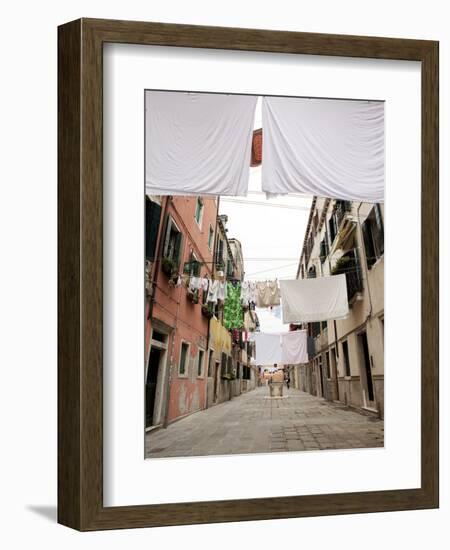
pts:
pixel 350 265
pixel 342 208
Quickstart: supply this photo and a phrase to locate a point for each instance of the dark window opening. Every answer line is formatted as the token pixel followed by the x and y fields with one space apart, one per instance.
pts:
pixel 152 219
pixel 373 234
pixel 183 358
pixel 346 358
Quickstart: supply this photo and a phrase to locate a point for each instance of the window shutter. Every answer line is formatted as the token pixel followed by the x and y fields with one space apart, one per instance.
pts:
pixel 167 236
pixel 177 250
pixel 152 219
pixel 379 231
pixel 368 243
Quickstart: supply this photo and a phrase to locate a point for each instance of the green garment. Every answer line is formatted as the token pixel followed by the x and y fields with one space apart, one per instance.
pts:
pixel 233 314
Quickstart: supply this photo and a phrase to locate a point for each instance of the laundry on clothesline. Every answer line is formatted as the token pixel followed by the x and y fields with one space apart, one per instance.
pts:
pixel 268 348
pixel 294 347
pixel 323 147
pixel 286 348
pixel 198 143
pixel 233 313
pixel 312 300
pixel 267 293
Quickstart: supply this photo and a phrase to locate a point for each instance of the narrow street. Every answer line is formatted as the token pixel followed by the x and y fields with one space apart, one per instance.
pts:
pixel 254 423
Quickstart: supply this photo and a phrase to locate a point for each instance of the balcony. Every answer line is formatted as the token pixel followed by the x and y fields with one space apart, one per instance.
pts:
pixel 342 208
pixel 336 221
pixel 350 266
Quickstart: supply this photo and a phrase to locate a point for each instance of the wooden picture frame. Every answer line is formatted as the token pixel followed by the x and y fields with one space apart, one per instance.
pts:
pixel 80 270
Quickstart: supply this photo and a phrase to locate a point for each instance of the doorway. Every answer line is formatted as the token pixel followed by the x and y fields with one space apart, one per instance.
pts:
pixel 154 377
pixel 151 382
pixel 366 372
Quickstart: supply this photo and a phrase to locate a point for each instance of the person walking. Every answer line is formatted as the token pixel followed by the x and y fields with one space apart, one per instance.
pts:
pixel 288 380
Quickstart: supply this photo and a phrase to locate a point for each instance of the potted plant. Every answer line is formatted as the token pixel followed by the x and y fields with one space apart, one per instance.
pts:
pixel 168 267
pixel 207 310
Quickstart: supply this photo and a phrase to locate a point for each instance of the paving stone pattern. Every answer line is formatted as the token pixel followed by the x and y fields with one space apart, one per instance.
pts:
pixel 254 423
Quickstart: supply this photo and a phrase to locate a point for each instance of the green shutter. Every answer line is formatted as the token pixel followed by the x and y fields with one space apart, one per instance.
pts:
pixel 152 220
pixel 167 236
pixel 177 250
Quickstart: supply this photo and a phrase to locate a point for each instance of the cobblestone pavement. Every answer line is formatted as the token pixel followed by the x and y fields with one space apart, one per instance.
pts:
pixel 254 423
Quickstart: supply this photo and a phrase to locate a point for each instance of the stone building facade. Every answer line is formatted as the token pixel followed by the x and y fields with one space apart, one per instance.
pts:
pixel 192 360
pixel 346 356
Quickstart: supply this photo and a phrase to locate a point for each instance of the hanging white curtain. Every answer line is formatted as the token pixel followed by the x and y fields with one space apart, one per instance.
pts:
pixel 198 144
pixel 311 300
pixel 328 148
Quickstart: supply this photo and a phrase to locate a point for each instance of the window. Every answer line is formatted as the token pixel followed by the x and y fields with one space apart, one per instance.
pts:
pixel 199 211
pixel 246 372
pixel 158 336
pixel 210 237
pixel 346 358
pixel 327 364
pixel 223 365
pixel 201 355
pixel 193 266
pixel 323 249
pixel 219 255
pixel 238 370
pixel 210 362
pixel 230 365
pixel 152 219
pixel 184 358
pixel 332 228
pixel 172 242
pixel 373 234
pixel 315 328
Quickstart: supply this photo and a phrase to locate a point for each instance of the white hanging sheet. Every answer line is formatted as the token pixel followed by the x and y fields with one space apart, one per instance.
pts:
pixel 268 348
pixel 197 143
pixel 323 147
pixel 286 348
pixel 294 349
pixel 310 300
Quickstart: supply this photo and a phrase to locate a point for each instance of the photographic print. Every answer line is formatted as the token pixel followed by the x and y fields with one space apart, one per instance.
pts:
pixel 264 279
pixel 229 309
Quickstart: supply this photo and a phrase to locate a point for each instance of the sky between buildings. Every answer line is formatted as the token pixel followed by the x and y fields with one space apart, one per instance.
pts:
pixel 271 232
